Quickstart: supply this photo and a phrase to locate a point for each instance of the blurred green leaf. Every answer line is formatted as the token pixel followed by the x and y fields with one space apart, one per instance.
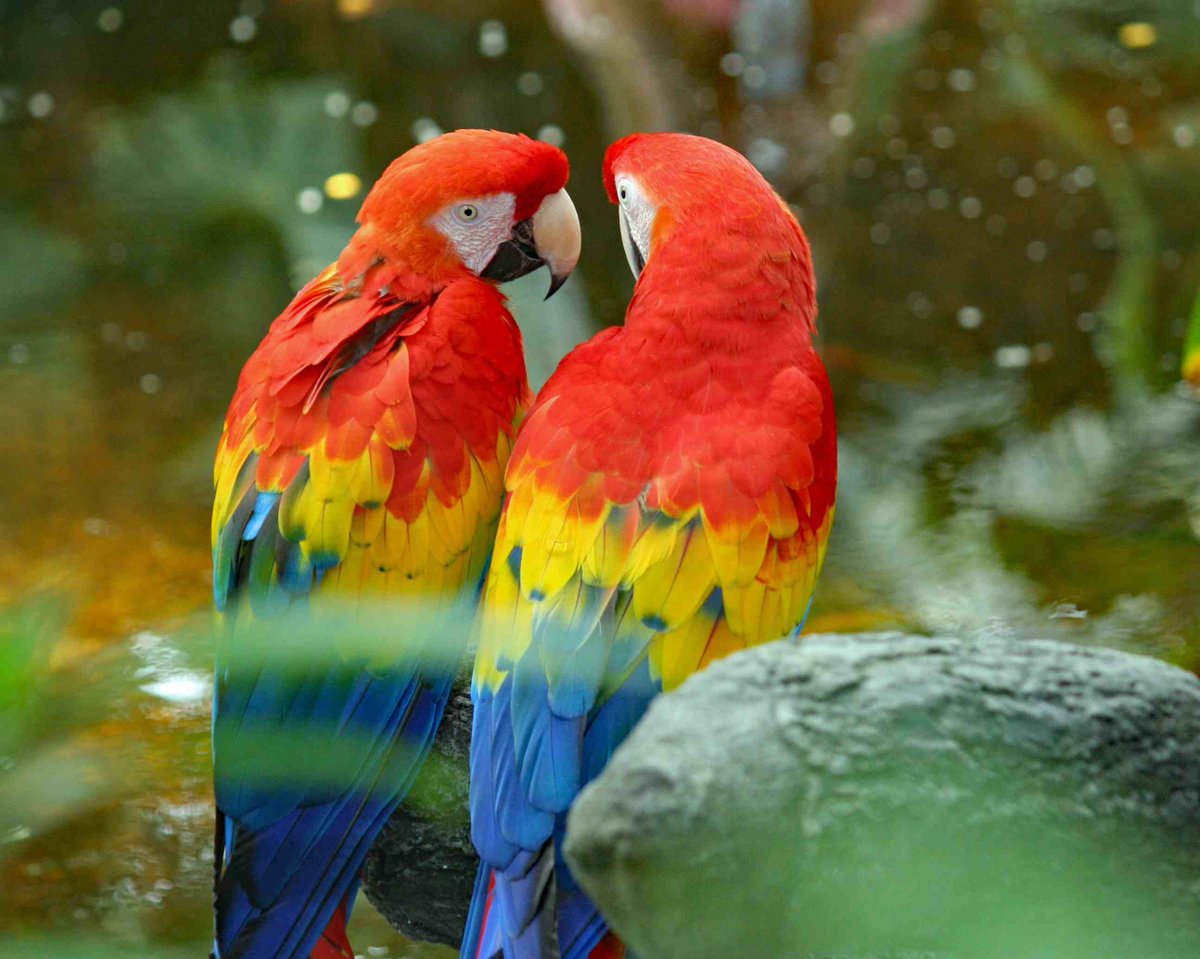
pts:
pixel 56 783
pixel 234 150
pixel 81 947
pixel 894 43
pixel 51 773
pixel 39 268
pixel 1086 36
pixel 26 635
pixel 384 635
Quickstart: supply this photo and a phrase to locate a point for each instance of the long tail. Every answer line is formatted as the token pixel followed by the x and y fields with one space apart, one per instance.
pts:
pixel 526 904
pixel 500 902
pixel 334 942
pixel 284 881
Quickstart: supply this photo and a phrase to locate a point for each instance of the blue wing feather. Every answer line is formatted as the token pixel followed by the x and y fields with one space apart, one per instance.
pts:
pixel 547 744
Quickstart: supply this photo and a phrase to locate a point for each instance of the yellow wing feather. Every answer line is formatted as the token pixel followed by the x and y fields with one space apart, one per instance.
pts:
pixel 696 590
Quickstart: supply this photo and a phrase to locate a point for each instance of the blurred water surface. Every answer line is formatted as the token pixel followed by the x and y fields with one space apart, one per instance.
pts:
pixel 1003 197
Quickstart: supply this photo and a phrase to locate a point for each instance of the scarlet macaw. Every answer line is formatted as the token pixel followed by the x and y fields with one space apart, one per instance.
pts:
pixel 362 454
pixel 670 496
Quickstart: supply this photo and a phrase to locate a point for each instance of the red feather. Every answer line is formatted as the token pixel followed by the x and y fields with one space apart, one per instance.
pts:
pixel 334 942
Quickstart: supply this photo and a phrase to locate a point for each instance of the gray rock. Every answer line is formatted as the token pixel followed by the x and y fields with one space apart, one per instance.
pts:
pixel 421 868
pixel 896 795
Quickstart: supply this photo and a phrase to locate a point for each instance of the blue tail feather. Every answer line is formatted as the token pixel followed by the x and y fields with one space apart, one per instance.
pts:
pixel 295 850
pixel 477 939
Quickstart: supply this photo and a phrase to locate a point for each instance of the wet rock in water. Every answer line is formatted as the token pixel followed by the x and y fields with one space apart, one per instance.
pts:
pixel 420 871
pixel 868 795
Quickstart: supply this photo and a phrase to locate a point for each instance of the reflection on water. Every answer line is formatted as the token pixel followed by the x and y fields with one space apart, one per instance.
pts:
pixel 1002 197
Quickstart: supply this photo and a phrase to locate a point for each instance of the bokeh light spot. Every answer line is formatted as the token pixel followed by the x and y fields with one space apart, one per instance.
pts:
pixel 343 186
pixel 1138 35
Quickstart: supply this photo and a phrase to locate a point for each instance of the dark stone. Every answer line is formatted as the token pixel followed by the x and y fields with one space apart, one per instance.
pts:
pixel 898 795
pixel 420 871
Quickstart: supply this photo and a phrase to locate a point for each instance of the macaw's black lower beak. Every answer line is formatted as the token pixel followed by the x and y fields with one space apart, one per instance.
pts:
pixel 556 282
pixel 515 257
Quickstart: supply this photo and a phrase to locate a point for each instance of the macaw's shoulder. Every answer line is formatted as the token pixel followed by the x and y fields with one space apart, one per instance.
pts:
pixel 338 317
pixel 346 359
pixel 471 343
pixel 334 333
pixel 332 318
pixel 686 428
pixel 368 436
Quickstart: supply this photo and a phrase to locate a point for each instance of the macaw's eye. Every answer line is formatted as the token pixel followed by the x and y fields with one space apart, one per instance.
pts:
pixel 467 213
pixel 623 192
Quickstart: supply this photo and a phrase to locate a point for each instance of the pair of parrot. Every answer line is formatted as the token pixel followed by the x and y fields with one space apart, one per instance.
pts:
pixel 663 502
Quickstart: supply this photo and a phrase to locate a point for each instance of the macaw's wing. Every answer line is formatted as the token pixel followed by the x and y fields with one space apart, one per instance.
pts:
pixel 329 485
pixel 620 569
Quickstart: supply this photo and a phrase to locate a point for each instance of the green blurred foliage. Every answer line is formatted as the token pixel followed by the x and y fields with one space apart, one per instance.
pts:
pixel 26 289
pixel 1085 35
pixel 24 635
pixel 76 947
pixel 117 739
pixel 53 768
pixel 225 157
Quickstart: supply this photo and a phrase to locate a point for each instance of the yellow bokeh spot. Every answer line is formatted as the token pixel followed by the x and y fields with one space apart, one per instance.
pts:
pixel 342 186
pixel 353 9
pixel 1138 36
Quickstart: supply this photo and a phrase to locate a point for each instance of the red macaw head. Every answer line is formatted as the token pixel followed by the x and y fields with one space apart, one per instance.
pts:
pixel 489 203
pixel 705 206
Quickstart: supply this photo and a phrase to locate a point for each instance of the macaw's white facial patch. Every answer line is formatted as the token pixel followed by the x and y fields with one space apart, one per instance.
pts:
pixel 636 215
pixel 476 226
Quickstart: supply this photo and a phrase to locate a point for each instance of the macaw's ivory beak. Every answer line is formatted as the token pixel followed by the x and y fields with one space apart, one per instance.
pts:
pixel 557 237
